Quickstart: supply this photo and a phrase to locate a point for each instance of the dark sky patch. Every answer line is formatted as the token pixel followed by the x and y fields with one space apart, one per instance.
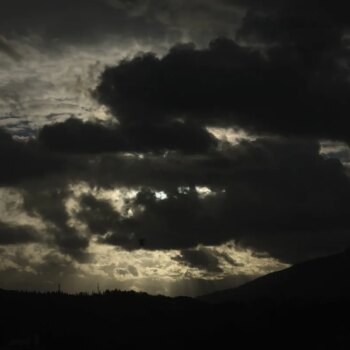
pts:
pixel 88 22
pixel 73 21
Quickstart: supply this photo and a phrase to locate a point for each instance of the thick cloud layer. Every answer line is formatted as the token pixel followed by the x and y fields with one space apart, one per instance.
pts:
pixel 280 90
pixel 275 195
pixel 90 21
pixel 85 21
pixel 49 205
pixel 265 194
pixel 154 180
pixel 78 137
pixel 71 20
pixel 10 234
pixel 24 160
pixel 201 259
pixel 205 259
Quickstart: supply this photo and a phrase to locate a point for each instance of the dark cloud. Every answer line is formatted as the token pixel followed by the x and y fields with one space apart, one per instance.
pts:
pixel 285 79
pixel 133 270
pixel 88 21
pixel 17 234
pixel 25 160
pixel 316 30
pixel 91 21
pixel 182 220
pixel 313 8
pixel 272 195
pixel 75 136
pixel 99 215
pixel 334 11
pixel 49 204
pixel 44 274
pixel 313 35
pixel 228 259
pixel 280 90
pixel 201 259
pixel 72 20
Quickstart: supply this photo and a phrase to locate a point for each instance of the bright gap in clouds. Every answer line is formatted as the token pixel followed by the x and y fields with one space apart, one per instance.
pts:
pixel 230 135
pixel 155 272
pixel 337 150
pixel 161 195
pixel 42 266
pixel 46 87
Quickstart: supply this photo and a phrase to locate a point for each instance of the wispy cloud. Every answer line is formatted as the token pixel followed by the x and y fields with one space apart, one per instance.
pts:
pixel 9 50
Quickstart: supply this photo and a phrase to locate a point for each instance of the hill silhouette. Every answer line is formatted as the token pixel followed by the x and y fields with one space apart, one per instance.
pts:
pixel 323 279
pixel 303 307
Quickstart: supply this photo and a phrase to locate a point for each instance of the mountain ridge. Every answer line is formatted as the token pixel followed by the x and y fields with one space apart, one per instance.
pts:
pixel 324 278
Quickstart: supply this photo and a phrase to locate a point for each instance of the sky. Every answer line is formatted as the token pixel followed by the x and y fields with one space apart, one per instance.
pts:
pixel 174 147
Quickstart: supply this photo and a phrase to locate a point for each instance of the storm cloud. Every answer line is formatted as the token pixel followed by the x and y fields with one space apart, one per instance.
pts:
pixel 200 259
pixel 114 155
pixel 83 22
pixel 275 91
pixel 263 194
pixel 14 234
pixel 75 136
pixel 22 160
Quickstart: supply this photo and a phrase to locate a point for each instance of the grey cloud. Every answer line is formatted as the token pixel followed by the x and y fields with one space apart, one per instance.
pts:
pixel 48 204
pixel 45 274
pixel 274 195
pixel 25 160
pixel 75 136
pixel 281 90
pixel 68 20
pixel 17 234
pixel 99 215
pixel 54 270
pixel 92 20
pixel 262 191
pixel 8 49
pixel 133 270
pixel 201 259
pixel 227 258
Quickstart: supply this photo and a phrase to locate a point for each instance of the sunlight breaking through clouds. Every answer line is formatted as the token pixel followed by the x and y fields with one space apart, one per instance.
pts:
pixel 173 147
pixel 152 271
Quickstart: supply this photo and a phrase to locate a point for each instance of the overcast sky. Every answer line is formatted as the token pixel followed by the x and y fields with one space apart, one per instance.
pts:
pixel 175 146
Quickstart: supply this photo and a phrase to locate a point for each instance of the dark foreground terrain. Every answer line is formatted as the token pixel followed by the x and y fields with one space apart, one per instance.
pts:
pixel 116 319
pixel 270 317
